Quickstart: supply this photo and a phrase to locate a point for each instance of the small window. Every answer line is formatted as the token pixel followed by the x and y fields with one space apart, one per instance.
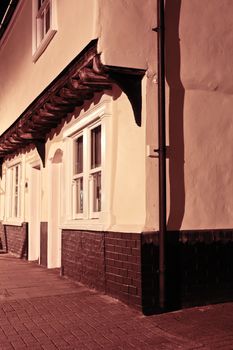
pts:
pixel 96 169
pixel 88 146
pixel 86 178
pixel 78 177
pixel 44 25
pixel 13 191
pixel 96 147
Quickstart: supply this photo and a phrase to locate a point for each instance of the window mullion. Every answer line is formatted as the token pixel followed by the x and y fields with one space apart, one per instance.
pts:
pixel 85 173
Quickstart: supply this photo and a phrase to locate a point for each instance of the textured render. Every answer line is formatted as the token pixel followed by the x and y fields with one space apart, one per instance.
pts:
pixel 19 67
pixel 134 22
pixel 199 114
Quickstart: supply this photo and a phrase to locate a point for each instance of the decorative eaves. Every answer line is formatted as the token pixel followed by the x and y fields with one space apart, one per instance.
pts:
pixel 84 76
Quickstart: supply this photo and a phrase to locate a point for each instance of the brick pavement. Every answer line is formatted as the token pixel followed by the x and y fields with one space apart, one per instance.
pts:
pixel 41 310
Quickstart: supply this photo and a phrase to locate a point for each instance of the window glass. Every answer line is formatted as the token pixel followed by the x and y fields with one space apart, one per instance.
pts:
pixel 96 147
pixel 79 195
pixel 79 156
pixel 97 191
pixel 47 19
pixel 44 25
pixel 13 185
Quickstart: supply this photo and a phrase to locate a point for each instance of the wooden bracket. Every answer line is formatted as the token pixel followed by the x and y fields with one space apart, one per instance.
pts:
pixel 40 146
pixel 129 80
pixel 1 163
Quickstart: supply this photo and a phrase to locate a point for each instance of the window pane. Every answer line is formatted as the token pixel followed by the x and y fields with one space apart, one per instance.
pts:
pixel 10 191
pixel 79 156
pixel 41 27
pixel 40 4
pixel 16 175
pixel 16 203
pixel 47 19
pixel 96 147
pixel 97 191
pixel 79 195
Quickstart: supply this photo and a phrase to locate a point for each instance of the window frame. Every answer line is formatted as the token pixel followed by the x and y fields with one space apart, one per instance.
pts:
pixel 40 44
pixel 14 192
pixel 87 121
pixel 93 170
pixel 87 174
pixel 75 177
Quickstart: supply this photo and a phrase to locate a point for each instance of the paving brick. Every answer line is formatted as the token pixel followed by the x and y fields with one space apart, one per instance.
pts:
pixel 66 315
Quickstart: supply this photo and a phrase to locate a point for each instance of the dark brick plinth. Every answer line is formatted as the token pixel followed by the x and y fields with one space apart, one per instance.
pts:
pixel 43 243
pixel 83 257
pixel 123 266
pixel 15 239
pixel 199 268
pixel 107 261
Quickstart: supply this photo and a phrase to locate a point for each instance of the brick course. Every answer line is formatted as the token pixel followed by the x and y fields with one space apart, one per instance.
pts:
pixel 43 243
pixel 123 267
pixel 199 266
pixel 83 257
pixel 107 261
pixel 15 239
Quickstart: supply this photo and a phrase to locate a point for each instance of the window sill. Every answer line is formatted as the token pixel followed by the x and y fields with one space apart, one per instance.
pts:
pixel 44 43
pixel 91 224
pixel 12 222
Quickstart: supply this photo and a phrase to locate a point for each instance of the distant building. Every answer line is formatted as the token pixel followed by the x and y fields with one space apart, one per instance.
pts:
pixel 78 140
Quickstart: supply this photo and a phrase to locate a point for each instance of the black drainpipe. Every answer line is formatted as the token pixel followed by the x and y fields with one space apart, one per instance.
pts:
pixel 162 153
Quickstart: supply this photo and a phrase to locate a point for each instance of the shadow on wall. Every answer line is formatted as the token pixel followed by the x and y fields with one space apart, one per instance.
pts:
pixel 176 114
pixel 176 151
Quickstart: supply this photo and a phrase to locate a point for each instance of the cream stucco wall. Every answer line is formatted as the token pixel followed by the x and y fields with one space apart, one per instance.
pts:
pixel 199 104
pixel 21 79
pixel 126 36
pixel 127 187
pixel 128 183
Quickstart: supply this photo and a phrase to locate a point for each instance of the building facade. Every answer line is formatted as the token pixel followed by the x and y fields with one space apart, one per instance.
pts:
pixel 79 130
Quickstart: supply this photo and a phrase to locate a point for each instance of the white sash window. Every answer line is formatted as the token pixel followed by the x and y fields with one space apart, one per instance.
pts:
pixel 88 167
pixel 13 187
pixel 44 25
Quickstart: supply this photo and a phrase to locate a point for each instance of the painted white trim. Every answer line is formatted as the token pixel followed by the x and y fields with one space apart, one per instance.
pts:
pixel 38 49
pixel 13 222
pixel 126 228
pixel 34 195
pixel 54 232
pixel 44 43
pixel 90 224
pixel 98 115
pixel 21 195
pixel 84 121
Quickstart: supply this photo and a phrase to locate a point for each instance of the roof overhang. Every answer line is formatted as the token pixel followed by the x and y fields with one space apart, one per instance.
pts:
pixel 77 83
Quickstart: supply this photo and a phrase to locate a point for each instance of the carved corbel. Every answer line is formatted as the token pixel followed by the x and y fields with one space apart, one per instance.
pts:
pixel 1 164
pixel 40 146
